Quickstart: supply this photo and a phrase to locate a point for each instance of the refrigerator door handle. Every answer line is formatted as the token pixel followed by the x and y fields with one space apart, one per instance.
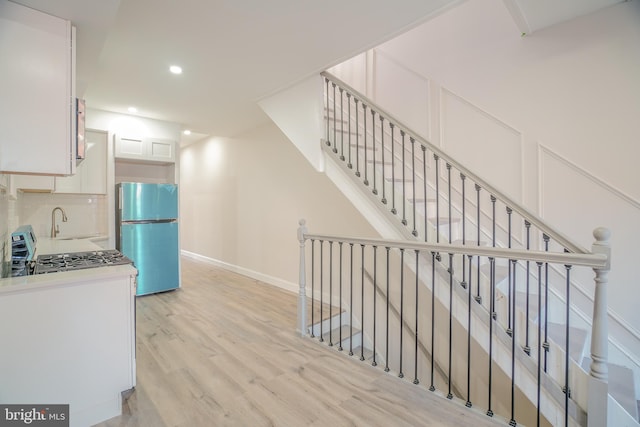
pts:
pixel 149 221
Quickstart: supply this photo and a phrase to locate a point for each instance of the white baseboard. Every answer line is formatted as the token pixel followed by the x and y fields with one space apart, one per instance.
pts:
pixel 282 284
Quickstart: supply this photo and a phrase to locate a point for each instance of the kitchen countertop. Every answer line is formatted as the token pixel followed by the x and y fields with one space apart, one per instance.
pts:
pixel 47 246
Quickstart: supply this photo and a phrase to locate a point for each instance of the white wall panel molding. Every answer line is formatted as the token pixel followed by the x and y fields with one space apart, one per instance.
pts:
pixel 403 93
pixel 370 77
pixel 577 201
pixel 434 113
pixel 549 153
pixel 485 144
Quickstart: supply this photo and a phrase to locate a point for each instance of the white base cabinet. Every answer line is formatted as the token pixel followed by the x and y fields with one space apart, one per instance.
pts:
pixel 69 339
pixel 37 105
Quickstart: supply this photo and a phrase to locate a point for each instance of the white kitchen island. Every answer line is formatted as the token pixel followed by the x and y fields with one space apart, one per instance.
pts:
pixel 69 337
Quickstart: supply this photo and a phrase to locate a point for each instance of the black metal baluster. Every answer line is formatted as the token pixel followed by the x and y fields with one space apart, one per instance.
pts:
pixel 509 235
pixel 468 403
pixel 351 301
pixel 373 150
pixel 400 374
pixel 415 354
pixel 478 188
pixel 404 189
pixel 375 291
pixel 362 302
pixel 384 198
pixel 539 343
pixel 413 183
pixel 393 170
pixel 335 150
pixel 527 348
pixel 464 231
pixel 349 165
pixel 512 422
pixel 328 141
pixel 449 205
pixel 321 288
pixel 386 354
pixel 449 379
pixel 436 158
pixel 341 126
pixel 566 389
pixel 355 101
pixel 494 315
pixel 424 183
pixel 366 168
pixel 330 293
pixel 340 306
pixel 492 284
pixel 313 276
pixel 433 317
pixel 546 345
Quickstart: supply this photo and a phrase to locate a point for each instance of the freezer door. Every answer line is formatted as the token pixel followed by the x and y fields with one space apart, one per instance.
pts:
pixel 153 248
pixel 140 202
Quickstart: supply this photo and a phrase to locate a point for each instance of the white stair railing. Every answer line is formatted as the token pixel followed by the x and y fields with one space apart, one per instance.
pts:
pixel 450 323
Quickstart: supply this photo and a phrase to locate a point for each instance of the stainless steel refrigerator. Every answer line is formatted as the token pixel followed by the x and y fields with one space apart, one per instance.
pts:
pixel 147 233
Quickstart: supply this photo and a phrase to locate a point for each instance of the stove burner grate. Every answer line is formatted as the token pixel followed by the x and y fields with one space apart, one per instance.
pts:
pixel 78 261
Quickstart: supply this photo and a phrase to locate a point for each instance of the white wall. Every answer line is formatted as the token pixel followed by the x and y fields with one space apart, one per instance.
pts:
pixel 131 125
pixel 116 124
pixel 303 123
pixel 551 119
pixel 241 200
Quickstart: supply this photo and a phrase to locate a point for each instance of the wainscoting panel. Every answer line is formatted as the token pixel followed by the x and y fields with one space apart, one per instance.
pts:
pixel 488 147
pixel 403 93
pixel 576 202
pixel 353 72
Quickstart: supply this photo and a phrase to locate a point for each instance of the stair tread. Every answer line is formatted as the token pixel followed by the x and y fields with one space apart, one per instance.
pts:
pixel 577 338
pixel 335 333
pixel 444 220
pixel 502 272
pixel 421 200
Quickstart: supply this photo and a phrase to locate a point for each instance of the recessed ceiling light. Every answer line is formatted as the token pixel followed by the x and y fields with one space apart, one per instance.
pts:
pixel 132 110
pixel 175 69
pixel 187 132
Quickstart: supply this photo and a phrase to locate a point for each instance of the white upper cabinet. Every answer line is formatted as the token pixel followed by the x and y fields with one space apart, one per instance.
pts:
pixel 145 150
pixel 37 87
pixel 91 173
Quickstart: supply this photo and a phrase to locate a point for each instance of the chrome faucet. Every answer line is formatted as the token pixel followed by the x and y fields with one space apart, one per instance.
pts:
pixel 54 228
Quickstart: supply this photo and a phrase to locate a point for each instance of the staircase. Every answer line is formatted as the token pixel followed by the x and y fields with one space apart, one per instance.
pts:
pixel 432 199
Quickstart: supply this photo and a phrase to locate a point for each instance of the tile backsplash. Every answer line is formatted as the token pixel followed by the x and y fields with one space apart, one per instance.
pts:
pixel 87 214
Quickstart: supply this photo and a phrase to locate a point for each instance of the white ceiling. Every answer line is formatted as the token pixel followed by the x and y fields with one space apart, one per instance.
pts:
pixel 236 52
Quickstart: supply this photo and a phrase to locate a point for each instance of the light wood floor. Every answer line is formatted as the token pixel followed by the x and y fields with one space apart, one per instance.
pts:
pixel 223 351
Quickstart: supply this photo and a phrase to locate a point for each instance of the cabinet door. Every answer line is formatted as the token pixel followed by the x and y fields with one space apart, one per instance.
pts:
pixel 161 150
pixel 37 87
pixel 33 183
pixel 130 148
pixel 145 150
pixel 91 173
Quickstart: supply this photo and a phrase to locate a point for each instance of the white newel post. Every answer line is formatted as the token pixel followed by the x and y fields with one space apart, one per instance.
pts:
pixel 302 301
pixel 599 374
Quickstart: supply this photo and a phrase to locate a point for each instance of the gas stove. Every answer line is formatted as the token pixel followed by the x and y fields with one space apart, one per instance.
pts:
pixel 78 261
